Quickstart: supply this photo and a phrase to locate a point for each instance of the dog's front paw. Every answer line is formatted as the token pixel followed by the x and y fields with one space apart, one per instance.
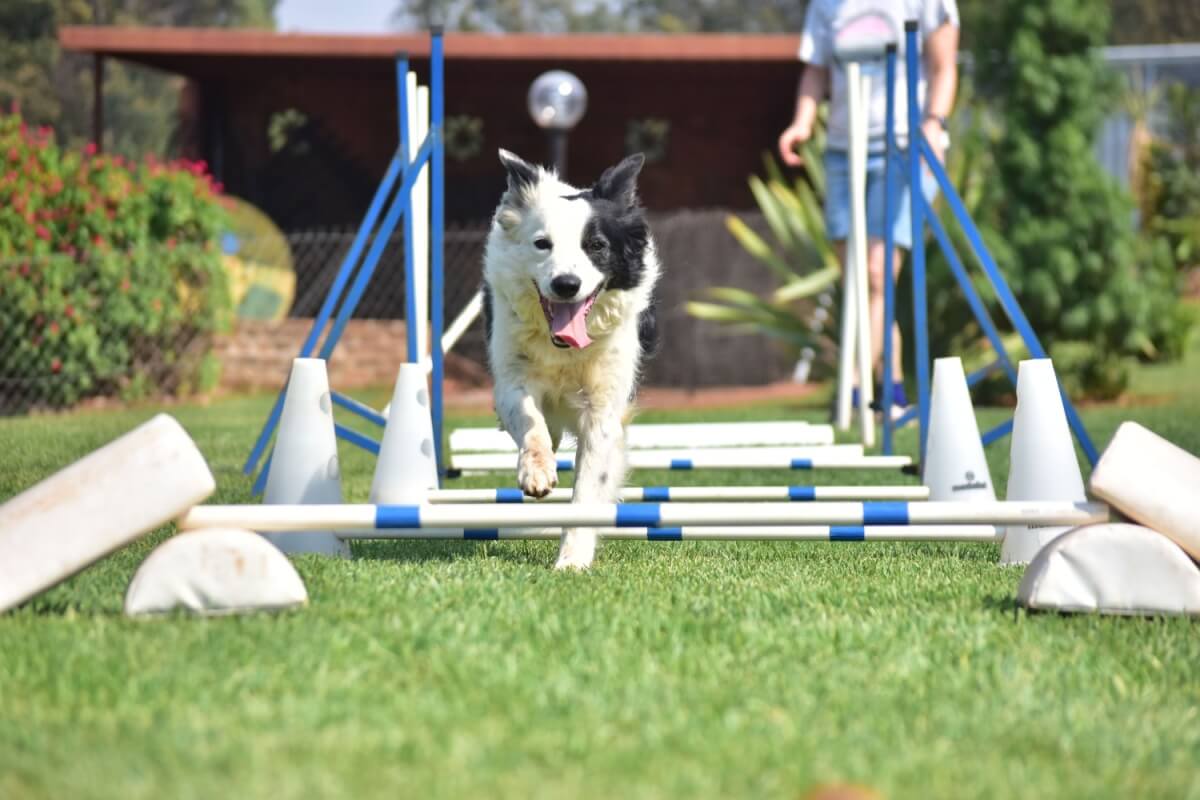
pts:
pixel 577 549
pixel 537 472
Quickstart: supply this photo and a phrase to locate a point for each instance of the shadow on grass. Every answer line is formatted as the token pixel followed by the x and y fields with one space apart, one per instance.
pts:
pixel 421 552
pixel 1003 604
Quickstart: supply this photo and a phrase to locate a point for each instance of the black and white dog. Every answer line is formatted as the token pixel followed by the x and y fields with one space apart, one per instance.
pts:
pixel 569 278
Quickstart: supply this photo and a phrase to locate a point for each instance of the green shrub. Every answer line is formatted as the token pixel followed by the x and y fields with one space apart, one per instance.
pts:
pixel 1067 241
pixel 111 275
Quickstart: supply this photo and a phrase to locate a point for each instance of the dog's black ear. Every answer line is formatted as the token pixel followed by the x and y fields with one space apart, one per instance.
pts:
pixel 520 172
pixel 619 183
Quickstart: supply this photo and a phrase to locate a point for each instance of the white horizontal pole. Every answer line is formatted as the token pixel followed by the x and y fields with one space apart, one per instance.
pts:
pixel 695 494
pixel 700 459
pixel 740 457
pixel 634 515
pixel 794 533
pixel 691 435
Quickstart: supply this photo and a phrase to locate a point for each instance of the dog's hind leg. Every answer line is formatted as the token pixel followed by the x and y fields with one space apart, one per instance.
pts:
pixel 599 473
pixel 521 415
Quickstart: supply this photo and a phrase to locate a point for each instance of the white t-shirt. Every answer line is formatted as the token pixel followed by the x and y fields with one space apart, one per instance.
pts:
pixel 822 22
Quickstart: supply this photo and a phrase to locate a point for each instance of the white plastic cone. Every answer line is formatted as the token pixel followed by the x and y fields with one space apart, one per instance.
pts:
pixel 407 467
pixel 1043 465
pixel 955 467
pixel 304 467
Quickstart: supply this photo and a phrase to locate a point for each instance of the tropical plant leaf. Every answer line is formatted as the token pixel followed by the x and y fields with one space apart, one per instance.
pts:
pixel 756 246
pixel 773 212
pixel 808 286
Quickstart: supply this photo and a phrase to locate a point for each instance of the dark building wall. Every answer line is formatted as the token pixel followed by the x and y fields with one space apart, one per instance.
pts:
pixel 722 118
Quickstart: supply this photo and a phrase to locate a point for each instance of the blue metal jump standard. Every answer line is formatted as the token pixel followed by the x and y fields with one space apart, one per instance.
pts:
pixel 353 278
pixel 920 155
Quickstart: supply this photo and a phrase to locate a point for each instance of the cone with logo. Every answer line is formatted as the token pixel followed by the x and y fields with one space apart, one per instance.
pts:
pixel 407 466
pixel 1043 465
pixel 304 467
pixel 955 467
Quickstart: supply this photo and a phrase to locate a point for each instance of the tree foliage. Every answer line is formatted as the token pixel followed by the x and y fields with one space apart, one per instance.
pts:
pixel 1067 241
pixel 54 88
pixel 611 16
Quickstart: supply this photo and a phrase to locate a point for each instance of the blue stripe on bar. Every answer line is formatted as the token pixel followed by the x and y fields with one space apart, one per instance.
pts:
pixel 510 496
pixel 885 513
pixel 802 493
pixel 387 517
pixel 566 464
pixel 681 463
pixel 481 534
pixel 802 463
pixel 656 494
pixel 664 534
pixel 358 439
pixel 847 533
pixel 638 515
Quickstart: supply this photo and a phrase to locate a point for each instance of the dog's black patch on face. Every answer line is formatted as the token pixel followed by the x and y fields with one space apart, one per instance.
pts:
pixel 616 234
pixel 487 314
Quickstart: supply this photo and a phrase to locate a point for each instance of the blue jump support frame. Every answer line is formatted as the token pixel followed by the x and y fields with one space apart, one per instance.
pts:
pixel 889 247
pixel 921 155
pixel 353 279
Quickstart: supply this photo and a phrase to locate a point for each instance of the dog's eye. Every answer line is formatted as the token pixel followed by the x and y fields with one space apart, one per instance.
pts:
pixel 595 245
pixel 542 243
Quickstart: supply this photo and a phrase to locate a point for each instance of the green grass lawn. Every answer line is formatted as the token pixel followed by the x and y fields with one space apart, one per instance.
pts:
pixel 671 670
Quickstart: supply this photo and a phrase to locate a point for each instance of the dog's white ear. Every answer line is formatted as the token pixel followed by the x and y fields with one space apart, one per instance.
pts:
pixel 520 172
pixel 619 183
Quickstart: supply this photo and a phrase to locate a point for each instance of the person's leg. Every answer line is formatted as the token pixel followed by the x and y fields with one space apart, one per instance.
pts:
pixel 875 266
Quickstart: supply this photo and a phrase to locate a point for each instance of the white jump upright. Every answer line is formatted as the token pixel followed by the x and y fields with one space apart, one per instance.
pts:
pixel 1043 465
pixel 304 466
pixel 955 467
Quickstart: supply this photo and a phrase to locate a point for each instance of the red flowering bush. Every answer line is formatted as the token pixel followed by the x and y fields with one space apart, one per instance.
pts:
pixel 110 276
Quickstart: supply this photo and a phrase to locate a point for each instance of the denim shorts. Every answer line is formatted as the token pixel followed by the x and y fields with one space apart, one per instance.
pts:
pixel 837 196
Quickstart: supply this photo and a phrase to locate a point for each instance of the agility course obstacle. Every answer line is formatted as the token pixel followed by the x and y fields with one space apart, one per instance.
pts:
pixel 367 517
pixel 695 494
pixel 701 533
pixel 732 458
pixel 643 436
pixel 404 174
pixel 920 155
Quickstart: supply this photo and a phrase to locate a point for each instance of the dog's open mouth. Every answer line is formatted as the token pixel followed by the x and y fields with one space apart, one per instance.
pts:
pixel 568 321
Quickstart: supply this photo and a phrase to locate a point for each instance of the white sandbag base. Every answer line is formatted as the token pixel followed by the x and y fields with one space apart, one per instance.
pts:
pixel 1112 568
pixel 97 505
pixel 1152 482
pixel 215 572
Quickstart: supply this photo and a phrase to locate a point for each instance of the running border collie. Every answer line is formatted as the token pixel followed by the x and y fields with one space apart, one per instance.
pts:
pixel 569 277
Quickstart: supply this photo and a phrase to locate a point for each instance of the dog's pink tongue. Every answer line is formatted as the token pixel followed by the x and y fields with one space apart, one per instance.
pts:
pixel 569 323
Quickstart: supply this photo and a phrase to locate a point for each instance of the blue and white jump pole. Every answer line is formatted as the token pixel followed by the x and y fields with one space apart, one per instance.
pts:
pixel 637 515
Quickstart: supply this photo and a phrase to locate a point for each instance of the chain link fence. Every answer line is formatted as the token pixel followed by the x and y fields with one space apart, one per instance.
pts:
pixel 110 327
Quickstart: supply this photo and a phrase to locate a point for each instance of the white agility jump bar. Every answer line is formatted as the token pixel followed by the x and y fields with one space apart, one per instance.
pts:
pixel 733 458
pixel 695 494
pixel 637 515
pixel 781 533
pixel 691 435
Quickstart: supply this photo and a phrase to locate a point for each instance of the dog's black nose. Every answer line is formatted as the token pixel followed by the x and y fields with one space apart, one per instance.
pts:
pixel 566 286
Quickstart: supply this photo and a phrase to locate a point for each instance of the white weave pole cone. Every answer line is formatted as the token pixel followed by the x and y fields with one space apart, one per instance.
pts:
pixel 1043 465
pixel 304 466
pixel 407 468
pixel 955 467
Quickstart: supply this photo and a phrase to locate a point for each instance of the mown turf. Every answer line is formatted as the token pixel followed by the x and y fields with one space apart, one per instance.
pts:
pixel 672 670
